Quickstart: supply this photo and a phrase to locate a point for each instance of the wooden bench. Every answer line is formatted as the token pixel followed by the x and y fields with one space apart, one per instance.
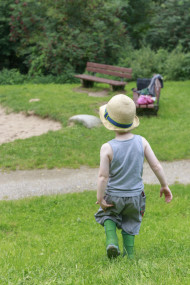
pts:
pixel 122 72
pixel 149 108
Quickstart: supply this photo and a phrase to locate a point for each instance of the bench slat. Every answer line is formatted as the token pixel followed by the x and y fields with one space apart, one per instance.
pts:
pixel 109 72
pixel 109 67
pixel 101 80
pixel 149 106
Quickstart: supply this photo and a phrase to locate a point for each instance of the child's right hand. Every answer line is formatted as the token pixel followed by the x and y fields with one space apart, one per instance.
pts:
pixel 167 193
pixel 104 205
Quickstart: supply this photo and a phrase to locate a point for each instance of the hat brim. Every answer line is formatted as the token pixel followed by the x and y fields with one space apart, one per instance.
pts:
pixel 111 127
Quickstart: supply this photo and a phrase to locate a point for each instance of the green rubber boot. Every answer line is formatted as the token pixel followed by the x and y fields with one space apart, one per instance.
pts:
pixel 111 239
pixel 128 244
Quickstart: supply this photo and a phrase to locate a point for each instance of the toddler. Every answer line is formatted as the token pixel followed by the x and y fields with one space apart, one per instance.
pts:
pixel 120 192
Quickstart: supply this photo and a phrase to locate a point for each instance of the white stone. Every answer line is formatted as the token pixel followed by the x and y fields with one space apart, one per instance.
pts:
pixel 88 121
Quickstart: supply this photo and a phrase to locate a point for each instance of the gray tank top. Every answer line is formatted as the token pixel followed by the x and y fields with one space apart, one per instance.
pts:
pixel 126 168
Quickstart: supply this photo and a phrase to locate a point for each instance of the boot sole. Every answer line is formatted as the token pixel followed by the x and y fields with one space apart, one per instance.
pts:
pixel 113 251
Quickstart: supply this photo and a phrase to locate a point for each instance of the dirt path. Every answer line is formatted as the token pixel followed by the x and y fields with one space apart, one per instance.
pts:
pixel 19 126
pixel 20 184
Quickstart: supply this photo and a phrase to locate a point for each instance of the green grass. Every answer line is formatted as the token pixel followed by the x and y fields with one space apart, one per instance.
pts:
pixel 168 133
pixel 55 240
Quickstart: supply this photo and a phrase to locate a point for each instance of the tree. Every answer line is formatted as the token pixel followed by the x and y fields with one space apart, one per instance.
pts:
pixel 55 36
pixel 170 25
pixel 136 15
pixel 8 58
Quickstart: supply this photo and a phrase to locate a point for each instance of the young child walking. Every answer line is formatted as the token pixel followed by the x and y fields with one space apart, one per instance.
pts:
pixel 120 192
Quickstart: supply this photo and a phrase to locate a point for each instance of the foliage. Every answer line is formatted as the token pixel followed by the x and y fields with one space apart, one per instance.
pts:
pixel 75 146
pixel 10 77
pixel 170 25
pixel 177 65
pixel 136 15
pixel 4 33
pixel 67 33
pixel 145 62
pixel 142 62
pixel 13 76
pixel 161 56
pixel 7 50
pixel 48 38
pixel 56 240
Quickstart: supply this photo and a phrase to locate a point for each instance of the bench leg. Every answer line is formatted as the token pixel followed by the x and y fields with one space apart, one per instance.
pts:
pixel 118 88
pixel 156 110
pixel 147 111
pixel 87 84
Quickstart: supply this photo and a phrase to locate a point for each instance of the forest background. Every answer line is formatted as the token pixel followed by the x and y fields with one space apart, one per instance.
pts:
pixel 47 41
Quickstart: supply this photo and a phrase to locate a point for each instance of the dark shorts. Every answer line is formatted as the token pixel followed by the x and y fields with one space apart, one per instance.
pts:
pixel 127 212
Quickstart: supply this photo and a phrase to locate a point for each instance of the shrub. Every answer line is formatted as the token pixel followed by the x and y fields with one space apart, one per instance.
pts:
pixel 160 59
pixel 11 77
pixel 142 61
pixel 145 62
pixel 177 66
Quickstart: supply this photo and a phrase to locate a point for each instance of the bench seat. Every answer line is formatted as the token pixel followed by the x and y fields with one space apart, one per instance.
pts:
pixel 100 80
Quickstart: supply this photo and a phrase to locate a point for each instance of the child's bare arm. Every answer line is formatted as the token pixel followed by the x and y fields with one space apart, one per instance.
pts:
pixel 105 156
pixel 158 170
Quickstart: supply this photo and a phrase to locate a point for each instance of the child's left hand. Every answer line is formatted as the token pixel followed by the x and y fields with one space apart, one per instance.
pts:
pixel 104 205
pixel 167 193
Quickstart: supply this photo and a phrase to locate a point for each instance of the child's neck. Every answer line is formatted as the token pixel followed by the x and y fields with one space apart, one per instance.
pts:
pixel 123 136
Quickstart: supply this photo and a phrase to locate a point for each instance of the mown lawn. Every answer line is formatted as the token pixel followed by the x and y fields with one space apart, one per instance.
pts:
pixel 55 240
pixel 168 133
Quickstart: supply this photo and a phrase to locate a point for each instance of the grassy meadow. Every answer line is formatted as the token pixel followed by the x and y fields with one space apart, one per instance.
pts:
pixel 56 240
pixel 168 133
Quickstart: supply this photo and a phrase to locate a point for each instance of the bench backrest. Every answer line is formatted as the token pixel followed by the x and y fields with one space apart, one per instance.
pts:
pixel 109 69
pixel 143 83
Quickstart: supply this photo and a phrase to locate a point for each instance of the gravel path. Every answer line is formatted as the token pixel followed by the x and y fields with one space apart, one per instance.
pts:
pixel 20 184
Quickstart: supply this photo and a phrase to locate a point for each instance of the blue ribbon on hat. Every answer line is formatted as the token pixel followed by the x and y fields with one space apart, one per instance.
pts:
pixel 107 117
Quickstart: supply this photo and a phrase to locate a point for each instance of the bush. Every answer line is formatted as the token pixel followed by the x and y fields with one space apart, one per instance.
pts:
pixel 145 62
pixel 160 59
pixel 11 77
pixel 177 66
pixel 142 61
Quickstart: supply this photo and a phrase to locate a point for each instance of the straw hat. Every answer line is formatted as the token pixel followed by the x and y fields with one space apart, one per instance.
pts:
pixel 119 114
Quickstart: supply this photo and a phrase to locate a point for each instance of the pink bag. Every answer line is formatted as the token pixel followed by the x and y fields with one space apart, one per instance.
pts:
pixel 144 100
